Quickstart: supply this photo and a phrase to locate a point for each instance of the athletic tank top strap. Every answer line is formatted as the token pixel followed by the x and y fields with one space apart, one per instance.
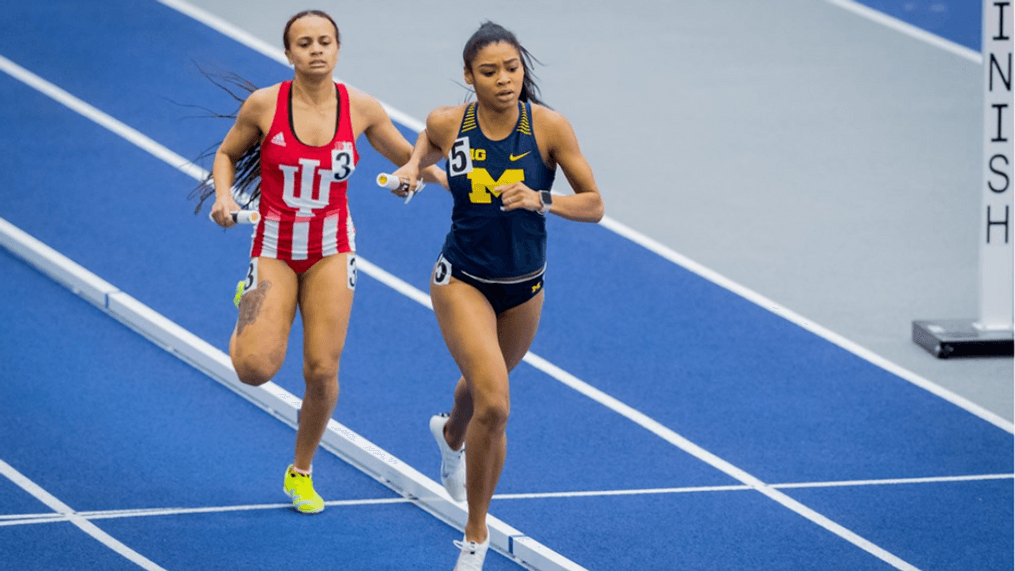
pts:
pixel 469 121
pixel 344 130
pixel 280 122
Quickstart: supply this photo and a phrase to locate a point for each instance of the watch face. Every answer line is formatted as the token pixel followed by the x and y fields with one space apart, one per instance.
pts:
pixel 546 199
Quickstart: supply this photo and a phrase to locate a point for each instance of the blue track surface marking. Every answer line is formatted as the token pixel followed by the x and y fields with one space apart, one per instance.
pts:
pixel 958 21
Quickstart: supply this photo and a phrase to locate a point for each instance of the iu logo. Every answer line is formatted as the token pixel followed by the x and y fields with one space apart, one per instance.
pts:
pixel 302 196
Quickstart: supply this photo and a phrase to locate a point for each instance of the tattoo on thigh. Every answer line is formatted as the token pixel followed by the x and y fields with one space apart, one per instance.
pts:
pixel 250 305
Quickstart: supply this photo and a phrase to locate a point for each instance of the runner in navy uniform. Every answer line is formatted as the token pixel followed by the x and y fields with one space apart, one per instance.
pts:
pixel 487 286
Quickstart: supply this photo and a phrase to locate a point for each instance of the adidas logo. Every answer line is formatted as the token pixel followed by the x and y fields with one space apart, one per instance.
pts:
pixel 278 140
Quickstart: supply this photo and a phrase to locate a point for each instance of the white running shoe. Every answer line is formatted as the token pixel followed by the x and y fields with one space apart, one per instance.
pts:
pixel 452 461
pixel 472 555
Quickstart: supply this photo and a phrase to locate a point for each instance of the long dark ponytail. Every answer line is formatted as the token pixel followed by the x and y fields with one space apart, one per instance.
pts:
pixel 247 182
pixel 491 33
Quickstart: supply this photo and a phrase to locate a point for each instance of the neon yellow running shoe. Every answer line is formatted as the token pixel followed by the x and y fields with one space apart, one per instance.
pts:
pixel 239 293
pixel 300 487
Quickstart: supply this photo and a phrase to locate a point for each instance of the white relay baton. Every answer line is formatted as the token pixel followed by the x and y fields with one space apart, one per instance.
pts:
pixel 389 182
pixel 242 216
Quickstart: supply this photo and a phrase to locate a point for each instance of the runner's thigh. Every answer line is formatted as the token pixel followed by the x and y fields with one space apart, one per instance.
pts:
pixel 326 294
pixel 516 328
pixel 266 311
pixel 469 326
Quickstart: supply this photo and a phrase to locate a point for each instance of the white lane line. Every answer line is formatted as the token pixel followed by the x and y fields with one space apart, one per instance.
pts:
pixel 611 493
pixel 898 481
pixel 86 526
pixel 909 30
pixel 28 519
pixel 17 519
pixel 786 486
pixel 555 372
pixel 665 252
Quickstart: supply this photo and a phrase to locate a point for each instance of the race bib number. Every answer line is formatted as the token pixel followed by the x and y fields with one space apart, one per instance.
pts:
pixel 460 157
pixel 350 272
pixel 342 163
pixel 250 282
pixel 442 272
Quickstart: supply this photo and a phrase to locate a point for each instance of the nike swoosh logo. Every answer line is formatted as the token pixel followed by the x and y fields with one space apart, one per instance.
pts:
pixel 515 158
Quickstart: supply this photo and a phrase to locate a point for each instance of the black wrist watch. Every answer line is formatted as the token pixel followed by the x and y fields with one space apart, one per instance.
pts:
pixel 546 199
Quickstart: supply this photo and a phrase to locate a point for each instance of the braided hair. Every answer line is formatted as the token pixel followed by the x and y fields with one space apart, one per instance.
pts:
pixel 247 184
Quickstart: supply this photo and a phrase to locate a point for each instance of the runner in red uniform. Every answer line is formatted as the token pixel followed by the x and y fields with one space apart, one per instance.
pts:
pixel 303 254
pixel 304 206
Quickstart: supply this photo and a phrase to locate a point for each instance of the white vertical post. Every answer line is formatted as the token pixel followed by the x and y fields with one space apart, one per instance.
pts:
pixel 998 215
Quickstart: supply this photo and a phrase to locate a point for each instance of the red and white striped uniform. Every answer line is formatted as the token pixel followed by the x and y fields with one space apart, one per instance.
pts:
pixel 304 206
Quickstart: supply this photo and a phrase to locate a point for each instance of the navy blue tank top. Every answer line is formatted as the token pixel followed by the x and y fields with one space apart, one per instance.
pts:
pixel 484 240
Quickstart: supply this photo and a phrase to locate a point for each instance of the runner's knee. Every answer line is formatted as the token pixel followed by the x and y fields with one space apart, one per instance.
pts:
pixel 492 413
pixel 321 371
pixel 256 369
